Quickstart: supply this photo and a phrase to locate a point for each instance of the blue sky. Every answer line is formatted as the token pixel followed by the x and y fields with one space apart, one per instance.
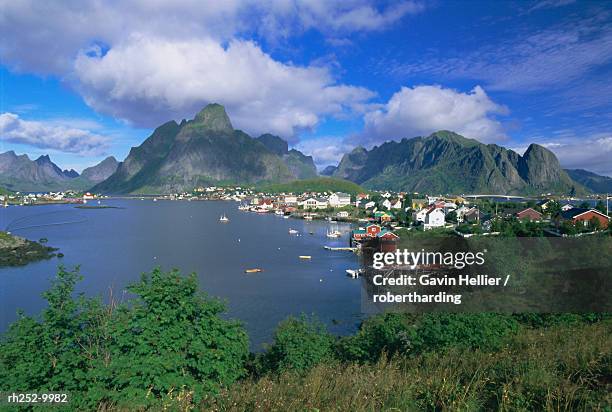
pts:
pixel 83 80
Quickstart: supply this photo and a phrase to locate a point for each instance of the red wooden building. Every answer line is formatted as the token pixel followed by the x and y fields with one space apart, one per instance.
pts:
pixel 584 216
pixel 529 214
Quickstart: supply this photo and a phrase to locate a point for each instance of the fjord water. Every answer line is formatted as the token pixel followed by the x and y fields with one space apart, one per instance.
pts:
pixel 114 246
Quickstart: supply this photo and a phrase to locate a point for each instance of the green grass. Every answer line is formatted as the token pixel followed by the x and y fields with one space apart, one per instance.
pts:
pixel 319 184
pixel 560 368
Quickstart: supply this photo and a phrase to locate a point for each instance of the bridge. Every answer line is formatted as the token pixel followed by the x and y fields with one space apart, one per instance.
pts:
pixel 507 197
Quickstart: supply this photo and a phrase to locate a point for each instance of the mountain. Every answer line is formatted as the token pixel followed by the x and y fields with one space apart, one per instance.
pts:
pixel 101 171
pixel 204 150
pixel 19 173
pixel 329 170
pixel 592 181
pixel 446 162
pixel 300 165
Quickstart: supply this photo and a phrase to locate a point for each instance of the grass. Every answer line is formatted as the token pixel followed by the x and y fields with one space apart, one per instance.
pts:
pixel 319 184
pixel 557 369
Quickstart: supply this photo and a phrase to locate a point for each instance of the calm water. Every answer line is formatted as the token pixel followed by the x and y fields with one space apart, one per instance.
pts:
pixel 113 246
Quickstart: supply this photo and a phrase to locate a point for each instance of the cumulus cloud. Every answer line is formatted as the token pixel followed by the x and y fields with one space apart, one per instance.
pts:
pixel 56 31
pixel 421 110
pixel 592 153
pixel 51 136
pixel 146 80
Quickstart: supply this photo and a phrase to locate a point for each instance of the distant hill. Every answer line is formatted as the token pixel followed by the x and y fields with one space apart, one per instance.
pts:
pixel 205 150
pixel 592 181
pixel 446 162
pixel 319 184
pixel 329 171
pixel 20 174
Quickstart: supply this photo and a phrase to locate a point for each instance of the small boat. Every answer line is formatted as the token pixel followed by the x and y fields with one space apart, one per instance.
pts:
pixel 308 217
pixel 223 219
pixel 333 233
pixel 354 273
pixel 293 232
pixel 254 270
pixel 311 233
pixel 286 217
pixel 305 257
pixel 155 199
pixel 279 212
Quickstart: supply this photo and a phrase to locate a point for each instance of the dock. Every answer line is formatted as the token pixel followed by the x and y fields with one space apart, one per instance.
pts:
pixel 344 249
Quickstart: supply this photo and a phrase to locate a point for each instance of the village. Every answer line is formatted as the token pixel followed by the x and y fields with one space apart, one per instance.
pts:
pixel 387 215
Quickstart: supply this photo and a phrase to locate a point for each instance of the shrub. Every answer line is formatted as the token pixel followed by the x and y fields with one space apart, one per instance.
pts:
pixel 170 341
pixel 299 344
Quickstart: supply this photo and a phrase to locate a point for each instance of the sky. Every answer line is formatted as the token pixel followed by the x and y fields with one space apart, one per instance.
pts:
pixel 82 80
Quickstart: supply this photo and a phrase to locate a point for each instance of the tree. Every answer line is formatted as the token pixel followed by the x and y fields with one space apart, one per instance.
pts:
pixel 601 206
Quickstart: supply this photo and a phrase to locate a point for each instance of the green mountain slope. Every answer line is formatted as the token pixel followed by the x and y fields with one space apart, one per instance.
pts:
pixel 201 151
pixel 594 182
pixel 446 162
pixel 320 184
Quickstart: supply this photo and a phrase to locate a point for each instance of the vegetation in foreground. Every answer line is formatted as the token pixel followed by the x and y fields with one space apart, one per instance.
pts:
pixel 169 348
pixel 319 184
pixel 17 251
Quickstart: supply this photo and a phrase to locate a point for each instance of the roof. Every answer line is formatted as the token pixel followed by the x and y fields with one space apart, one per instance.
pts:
pixel 529 209
pixel 384 232
pixel 342 194
pixel 576 211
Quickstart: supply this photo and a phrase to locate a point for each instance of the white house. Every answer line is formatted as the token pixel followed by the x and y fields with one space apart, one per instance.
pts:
pixel 313 203
pixel 461 212
pixel 339 199
pixel 421 214
pixel 396 204
pixel 567 207
pixel 386 204
pixel 434 218
pixel 290 200
pixel 342 214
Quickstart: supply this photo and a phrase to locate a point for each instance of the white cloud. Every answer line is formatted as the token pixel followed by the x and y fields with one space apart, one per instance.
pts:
pixel 147 80
pixel 421 110
pixel 50 136
pixel 592 153
pixel 44 37
pixel 325 150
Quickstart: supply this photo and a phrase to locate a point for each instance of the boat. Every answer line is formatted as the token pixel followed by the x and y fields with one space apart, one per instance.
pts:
pixel 254 270
pixel 286 217
pixel 308 217
pixel 333 233
pixel 223 219
pixel 279 212
pixel 293 232
pixel 155 199
pixel 354 273
pixel 305 257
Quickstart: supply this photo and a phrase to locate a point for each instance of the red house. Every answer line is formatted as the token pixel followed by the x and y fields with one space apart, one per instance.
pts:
pixel 584 216
pixel 529 214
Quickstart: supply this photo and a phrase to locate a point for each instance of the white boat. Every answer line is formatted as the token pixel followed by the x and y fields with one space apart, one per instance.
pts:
pixel 308 217
pixel 354 273
pixel 223 219
pixel 155 199
pixel 293 232
pixel 286 217
pixel 279 212
pixel 333 233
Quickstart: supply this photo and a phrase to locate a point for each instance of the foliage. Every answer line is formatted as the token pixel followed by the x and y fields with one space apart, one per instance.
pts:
pixel 394 333
pixel 299 344
pixel 170 340
pixel 565 367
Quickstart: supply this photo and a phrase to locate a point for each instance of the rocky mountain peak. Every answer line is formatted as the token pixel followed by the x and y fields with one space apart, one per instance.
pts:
pixel 214 117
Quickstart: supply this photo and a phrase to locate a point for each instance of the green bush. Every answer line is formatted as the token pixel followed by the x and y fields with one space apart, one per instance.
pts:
pixel 299 344
pixel 170 341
